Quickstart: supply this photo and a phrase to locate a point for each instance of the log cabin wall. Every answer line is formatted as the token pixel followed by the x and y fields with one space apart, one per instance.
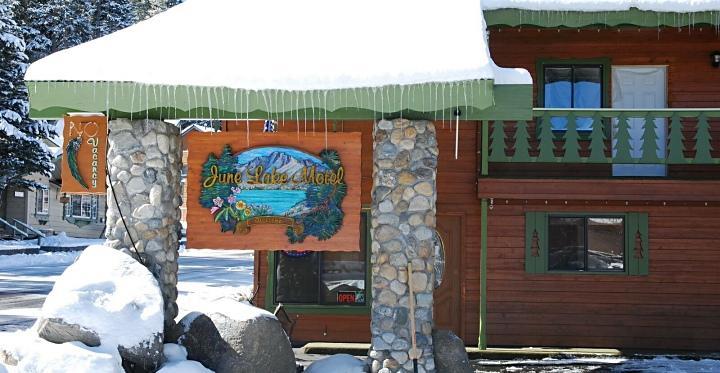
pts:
pixel 457 197
pixel 692 82
pixel 676 305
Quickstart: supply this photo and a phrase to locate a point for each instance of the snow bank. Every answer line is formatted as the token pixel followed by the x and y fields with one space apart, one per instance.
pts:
pixel 29 260
pixel 38 355
pixel 62 240
pixel 372 43
pixel 110 293
pixel 236 310
pixel 679 6
pixel 340 363
pixel 177 362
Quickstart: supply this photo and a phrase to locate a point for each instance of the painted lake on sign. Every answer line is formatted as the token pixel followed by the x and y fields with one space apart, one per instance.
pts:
pixel 280 201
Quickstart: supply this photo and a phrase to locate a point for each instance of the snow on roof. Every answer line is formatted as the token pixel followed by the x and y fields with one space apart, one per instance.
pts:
pixel 288 45
pixel 195 128
pixel 678 6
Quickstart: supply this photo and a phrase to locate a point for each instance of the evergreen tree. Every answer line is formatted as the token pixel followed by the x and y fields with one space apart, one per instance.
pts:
pixel 112 15
pixel 30 16
pixel 20 138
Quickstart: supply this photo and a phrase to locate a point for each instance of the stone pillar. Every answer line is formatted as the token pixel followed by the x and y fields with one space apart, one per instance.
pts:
pixel 145 164
pixel 403 221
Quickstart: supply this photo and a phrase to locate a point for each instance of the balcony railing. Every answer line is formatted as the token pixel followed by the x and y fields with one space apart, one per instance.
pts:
pixel 611 136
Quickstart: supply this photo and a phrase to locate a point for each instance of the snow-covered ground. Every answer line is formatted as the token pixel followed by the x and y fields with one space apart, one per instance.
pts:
pixel 9 247
pixel 204 275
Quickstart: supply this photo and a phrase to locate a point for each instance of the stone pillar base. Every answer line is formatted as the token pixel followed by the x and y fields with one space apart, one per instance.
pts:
pixel 145 163
pixel 403 222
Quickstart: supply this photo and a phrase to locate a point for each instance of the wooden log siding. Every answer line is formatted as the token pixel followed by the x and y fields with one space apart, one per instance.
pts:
pixel 692 83
pixel 457 195
pixel 674 307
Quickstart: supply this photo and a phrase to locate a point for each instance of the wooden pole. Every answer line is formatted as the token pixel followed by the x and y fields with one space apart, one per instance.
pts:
pixel 414 352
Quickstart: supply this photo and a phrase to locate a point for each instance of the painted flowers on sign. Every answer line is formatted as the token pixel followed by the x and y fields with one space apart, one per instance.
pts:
pixel 275 185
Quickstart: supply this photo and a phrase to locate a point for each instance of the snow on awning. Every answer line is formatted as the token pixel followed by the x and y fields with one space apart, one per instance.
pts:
pixel 229 58
pixel 583 13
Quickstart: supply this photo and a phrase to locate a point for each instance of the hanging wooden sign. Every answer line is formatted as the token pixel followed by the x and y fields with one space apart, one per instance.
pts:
pixel 279 194
pixel 84 154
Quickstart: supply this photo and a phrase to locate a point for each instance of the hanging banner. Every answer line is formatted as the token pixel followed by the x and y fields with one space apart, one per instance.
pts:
pixel 282 193
pixel 84 154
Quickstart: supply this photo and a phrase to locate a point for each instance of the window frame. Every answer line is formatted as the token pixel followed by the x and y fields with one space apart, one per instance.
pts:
pixel 585 218
pixel 634 223
pixel 92 211
pixel 321 309
pixel 42 198
pixel 605 63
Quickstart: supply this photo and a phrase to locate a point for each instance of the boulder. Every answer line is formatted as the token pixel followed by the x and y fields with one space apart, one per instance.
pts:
pixel 256 336
pixel 57 331
pixel 107 298
pixel 203 343
pixel 340 363
pixel 449 352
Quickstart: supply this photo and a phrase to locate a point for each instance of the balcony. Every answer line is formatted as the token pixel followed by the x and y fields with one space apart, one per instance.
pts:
pixel 607 136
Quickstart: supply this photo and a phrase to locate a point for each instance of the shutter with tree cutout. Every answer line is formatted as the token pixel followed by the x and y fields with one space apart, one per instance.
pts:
pixel 535 242
pixel 636 239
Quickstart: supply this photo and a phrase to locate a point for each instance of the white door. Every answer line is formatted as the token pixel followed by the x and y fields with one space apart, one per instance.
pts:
pixel 641 87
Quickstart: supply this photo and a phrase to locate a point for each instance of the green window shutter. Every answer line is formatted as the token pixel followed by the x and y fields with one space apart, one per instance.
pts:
pixel 637 243
pixel 535 242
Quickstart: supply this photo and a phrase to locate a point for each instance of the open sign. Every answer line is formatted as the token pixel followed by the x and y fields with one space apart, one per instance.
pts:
pixel 350 297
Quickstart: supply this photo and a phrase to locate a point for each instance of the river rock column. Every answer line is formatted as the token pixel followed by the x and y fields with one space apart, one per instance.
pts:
pixel 145 164
pixel 403 221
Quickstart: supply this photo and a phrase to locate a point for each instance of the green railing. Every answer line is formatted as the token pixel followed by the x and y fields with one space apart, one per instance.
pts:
pixel 620 136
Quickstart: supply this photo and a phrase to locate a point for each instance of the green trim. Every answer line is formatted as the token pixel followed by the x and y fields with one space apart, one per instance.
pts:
pixel 537 221
pixel 482 336
pixel 485 148
pixel 125 99
pixel 512 102
pixel 577 19
pixel 320 309
pixel 605 62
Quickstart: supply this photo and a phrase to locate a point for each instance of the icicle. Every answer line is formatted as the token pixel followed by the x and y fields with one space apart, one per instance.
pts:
pixel 282 99
pixel 147 102
pixel 247 116
pixel 402 92
pixel 325 110
pixel 305 110
pixel 312 105
pixel 297 114
pixel 235 105
pixel 457 130
pixel 132 101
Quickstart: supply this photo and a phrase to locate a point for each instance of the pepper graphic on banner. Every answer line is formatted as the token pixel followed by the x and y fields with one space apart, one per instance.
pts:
pixel 84 148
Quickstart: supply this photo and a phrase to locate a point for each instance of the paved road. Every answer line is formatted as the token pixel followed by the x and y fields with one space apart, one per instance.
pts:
pixel 22 292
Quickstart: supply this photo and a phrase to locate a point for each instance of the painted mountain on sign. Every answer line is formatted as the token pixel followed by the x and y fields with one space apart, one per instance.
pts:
pixel 280 160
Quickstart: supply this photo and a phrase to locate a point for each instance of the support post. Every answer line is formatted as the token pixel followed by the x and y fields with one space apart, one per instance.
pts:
pixel 144 165
pixel 482 336
pixel 403 222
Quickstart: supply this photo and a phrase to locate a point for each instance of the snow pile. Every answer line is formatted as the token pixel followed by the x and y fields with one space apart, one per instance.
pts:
pixel 177 362
pixel 236 310
pixel 376 46
pixel 62 240
pixel 111 294
pixel 209 276
pixel 340 363
pixel 29 260
pixel 678 6
pixel 38 355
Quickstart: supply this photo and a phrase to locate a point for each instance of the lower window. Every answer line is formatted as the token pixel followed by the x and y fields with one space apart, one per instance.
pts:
pixel 586 243
pixel 323 278
pixel 562 242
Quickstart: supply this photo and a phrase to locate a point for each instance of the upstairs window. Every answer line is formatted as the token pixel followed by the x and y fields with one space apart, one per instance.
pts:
pixel 573 86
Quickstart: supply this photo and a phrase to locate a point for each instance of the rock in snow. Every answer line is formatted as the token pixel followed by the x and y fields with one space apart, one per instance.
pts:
pixel 108 293
pixel 449 352
pixel 260 341
pixel 340 363
pixel 203 343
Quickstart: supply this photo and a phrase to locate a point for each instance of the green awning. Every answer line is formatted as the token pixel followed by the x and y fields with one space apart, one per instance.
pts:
pixel 477 99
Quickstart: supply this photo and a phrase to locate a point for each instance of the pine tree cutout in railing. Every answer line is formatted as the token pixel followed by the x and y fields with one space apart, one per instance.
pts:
pixel 522 144
pixel 649 144
pixel 497 147
pixel 703 147
pixel 597 140
pixel 676 154
pixel 571 143
pixel 622 141
pixel 547 146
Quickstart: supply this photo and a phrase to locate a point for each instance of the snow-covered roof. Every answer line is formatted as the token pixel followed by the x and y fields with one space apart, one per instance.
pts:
pixel 677 6
pixel 289 45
